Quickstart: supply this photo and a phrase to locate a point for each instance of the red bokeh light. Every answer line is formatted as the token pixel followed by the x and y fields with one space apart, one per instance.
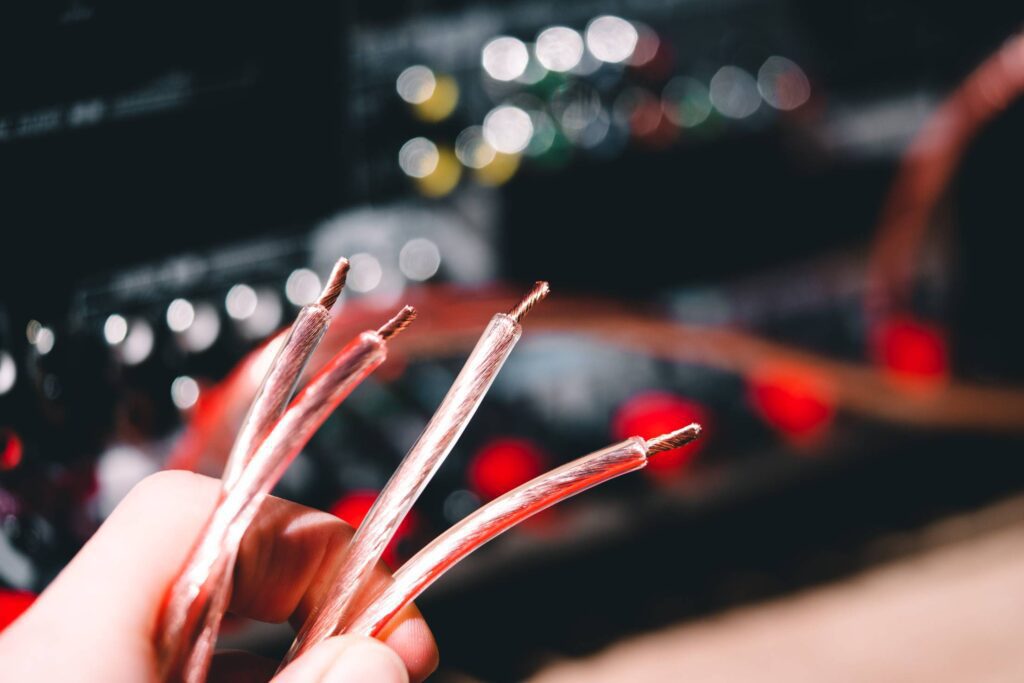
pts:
pixel 796 400
pixel 352 508
pixel 11 449
pixel 649 125
pixel 911 350
pixel 12 604
pixel 503 464
pixel 655 413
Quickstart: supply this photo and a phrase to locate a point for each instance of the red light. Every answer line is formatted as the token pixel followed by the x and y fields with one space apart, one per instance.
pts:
pixel 352 508
pixel 911 350
pixel 12 604
pixel 11 449
pixel 655 413
pixel 795 400
pixel 649 124
pixel 502 465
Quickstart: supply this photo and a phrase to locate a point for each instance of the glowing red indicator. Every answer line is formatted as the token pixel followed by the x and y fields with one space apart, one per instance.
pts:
pixel 352 508
pixel 11 449
pixel 794 399
pixel 12 604
pixel 655 413
pixel 502 465
pixel 910 349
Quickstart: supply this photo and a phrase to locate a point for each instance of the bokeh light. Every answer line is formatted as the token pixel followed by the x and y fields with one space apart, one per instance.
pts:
pixel 501 169
pixel 442 101
pixel 559 48
pixel 508 129
pixel 115 329
pixel 416 84
pixel 641 112
pixel 11 449
pixel 912 352
pixel 612 39
pixel 180 315
pixel 418 157
pixel 503 464
pixel 686 101
pixel 45 339
pixel 733 92
pixel 302 287
pixel 365 273
pixel 138 344
pixel 241 302
pixel 648 45
pixel 265 317
pixel 505 58
pixel 8 372
pixel 184 392
pixel 783 84
pixel 795 400
pixel 32 331
pixel 419 259
pixel 471 148
pixel 445 176
pixel 203 330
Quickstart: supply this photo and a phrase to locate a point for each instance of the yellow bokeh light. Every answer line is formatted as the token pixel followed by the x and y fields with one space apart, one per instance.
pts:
pixel 442 101
pixel 445 176
pixel 499 171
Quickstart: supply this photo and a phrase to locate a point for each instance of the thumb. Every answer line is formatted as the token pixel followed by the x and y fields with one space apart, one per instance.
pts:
pixel 346 659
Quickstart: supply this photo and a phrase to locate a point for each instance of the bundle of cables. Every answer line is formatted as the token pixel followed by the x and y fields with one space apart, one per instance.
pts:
pixel 276 429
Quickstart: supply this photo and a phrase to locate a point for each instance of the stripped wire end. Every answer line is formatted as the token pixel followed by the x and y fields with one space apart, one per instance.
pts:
pixel 335 283
pixel 401 321
pixel 667 442
pixel 539 292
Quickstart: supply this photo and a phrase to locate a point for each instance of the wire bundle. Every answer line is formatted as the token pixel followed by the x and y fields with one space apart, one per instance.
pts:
pixel 275 431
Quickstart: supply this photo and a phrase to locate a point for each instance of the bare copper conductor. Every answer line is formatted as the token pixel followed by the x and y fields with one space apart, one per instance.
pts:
pixel 335 283
pixel 401 321
pixel 539 292
pixel 667 442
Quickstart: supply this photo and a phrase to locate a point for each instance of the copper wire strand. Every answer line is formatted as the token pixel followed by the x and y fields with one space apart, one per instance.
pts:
pixel 271 400
pixel 413 473
pixel 502 514
pixel 680 437
pixel 335 283
pixel 540 291
pixel 398 323
pixel 197 585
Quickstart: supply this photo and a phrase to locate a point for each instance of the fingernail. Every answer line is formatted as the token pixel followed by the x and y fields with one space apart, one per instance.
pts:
pixel 367 662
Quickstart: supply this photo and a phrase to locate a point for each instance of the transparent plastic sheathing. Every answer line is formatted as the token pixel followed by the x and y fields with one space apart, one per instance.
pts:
pixel 492 520
pixel 197 589
pixel 409 480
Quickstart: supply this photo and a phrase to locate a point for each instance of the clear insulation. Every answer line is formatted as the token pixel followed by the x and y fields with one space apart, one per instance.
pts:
pixel 268 405
pixel 492 520
pixel 409 480
pixel 182 619
pixel 277 388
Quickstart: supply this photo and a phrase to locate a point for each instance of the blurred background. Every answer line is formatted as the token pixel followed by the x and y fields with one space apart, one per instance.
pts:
pixel 792 221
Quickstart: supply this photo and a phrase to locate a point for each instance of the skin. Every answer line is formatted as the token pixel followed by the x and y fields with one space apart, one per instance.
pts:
pixel 95 621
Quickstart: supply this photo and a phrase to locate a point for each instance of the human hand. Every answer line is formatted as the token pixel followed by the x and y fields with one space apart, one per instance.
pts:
pixel 96 621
